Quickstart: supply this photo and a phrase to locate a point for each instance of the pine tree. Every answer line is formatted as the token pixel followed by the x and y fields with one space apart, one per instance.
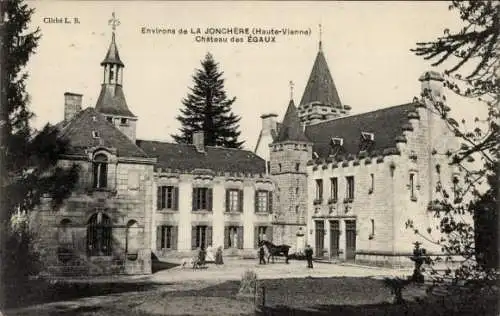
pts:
pixel 29 158
pixel 208 109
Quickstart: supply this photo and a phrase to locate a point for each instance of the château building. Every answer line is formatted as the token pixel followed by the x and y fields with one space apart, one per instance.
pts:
pixel 347 183
pixel 138 197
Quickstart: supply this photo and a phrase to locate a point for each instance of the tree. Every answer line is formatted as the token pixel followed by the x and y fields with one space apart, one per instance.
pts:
pixel 472 53
pixel 29 158
pixel 208 109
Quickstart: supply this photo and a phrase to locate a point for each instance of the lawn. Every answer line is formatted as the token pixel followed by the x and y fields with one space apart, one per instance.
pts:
pixel 304 296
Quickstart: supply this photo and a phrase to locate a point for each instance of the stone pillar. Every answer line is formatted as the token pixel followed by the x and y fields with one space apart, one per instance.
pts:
pixel 342 240
pixel 218 208
pixel 185 210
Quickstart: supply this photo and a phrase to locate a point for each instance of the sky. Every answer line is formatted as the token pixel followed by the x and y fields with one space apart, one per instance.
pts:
pixel 366 44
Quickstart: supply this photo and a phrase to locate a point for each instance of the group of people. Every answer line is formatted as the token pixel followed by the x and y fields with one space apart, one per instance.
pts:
pixel 207 255
pixel 308 251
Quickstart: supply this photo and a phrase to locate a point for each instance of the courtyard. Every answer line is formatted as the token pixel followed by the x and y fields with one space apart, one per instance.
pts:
pixel 289 290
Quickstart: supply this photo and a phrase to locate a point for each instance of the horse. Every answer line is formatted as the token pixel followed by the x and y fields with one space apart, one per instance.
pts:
pixel 275 250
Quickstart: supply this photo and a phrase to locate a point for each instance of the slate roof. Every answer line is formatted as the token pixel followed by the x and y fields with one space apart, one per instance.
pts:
pixel 186 158
pixel 320 86
pixel 79 133
pixel 112 56
pixel 290 128
pixel 386 124
pixel 112 101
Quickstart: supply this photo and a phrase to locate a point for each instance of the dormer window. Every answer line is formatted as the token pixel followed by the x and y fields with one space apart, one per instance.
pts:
pixel 337 141
pixel 95 134
pixel 123 121
pixel 94 118
pixel 368 136
pixel 109 119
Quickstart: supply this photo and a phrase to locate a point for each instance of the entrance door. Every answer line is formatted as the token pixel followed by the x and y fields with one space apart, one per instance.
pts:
pixel 350 240
pixel 320 240
pixel 334 239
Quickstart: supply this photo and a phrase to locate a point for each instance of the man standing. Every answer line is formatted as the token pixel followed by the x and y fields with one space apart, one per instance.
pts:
pixel 262 253
pixel 309 254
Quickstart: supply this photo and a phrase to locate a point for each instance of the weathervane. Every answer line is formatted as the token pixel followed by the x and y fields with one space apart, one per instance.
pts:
pixel 320 35
pixel 291 89
pixel 114 22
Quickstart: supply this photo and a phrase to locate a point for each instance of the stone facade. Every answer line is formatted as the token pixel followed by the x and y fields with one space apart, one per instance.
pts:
pixel 63 234
pixel 218 217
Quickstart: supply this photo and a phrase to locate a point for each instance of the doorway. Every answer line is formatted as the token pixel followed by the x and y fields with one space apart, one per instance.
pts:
pixel 320 240
pixel 350 240
pixel 334 239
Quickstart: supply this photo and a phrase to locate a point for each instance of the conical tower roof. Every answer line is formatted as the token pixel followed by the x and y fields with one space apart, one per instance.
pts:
pixel 112 57
pixel 320 86
pixel 291 129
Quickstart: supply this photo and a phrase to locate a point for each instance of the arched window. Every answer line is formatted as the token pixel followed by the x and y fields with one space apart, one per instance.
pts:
pixel 99 235
pixel 132 242
pixel 64 233
pixel 100 169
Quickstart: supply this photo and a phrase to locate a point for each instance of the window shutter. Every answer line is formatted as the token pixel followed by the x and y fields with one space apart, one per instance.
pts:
pixel 270 201
pixel 269 233
pixel 209 236
pixel 256 237
pixel 175 237
pixel 176 198
pixel 194 199
pixel 209 199
pixel 240 200
pixel 158 237
pixel 256 201
pixel 158 198
pixel 227 200
pixel 193 237
pixel 240 237
pixel 226 237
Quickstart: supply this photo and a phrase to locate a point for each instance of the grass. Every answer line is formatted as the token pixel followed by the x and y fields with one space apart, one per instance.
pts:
pixel 300 296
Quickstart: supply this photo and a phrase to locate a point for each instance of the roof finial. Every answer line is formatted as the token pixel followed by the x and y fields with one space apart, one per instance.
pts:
pixel 114 22
pixel 291 89
pixel 320 35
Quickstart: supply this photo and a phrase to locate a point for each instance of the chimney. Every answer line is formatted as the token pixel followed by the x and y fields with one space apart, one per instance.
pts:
pixel 72 105
pixel 268 123
pixel 199 141
pixel 433 82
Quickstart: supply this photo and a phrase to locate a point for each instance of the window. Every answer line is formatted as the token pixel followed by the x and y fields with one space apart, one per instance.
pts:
pixel 268 167
pixel 100 171
pixel 279 167
pixel 296 209
pixel 99 235
pixel 109 119
pixel 350 188
pixel 202 199
pixel 263 201
pixel 372 234
pixel 167 198
pixel 132 244
pixel 111 74
pixel 95 134
pixel 201 236
pixel 261 233
pixel 334 189
pixel 372 183
pixel 233 237
pixel 319 189
pixel 123 121
pixel 412 187
pixel 65 236
pixel 297 166
pixel 166 237
pixel 234 200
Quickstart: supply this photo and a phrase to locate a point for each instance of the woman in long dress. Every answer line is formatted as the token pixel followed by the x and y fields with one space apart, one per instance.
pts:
pixel 218 256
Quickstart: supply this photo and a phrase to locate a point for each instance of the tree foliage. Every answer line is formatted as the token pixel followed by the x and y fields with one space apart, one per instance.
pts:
pixel 29 158
pixel 208 109
pixel 472 72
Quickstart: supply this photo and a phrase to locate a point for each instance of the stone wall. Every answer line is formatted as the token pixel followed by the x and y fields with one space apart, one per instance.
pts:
pixel 62 233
